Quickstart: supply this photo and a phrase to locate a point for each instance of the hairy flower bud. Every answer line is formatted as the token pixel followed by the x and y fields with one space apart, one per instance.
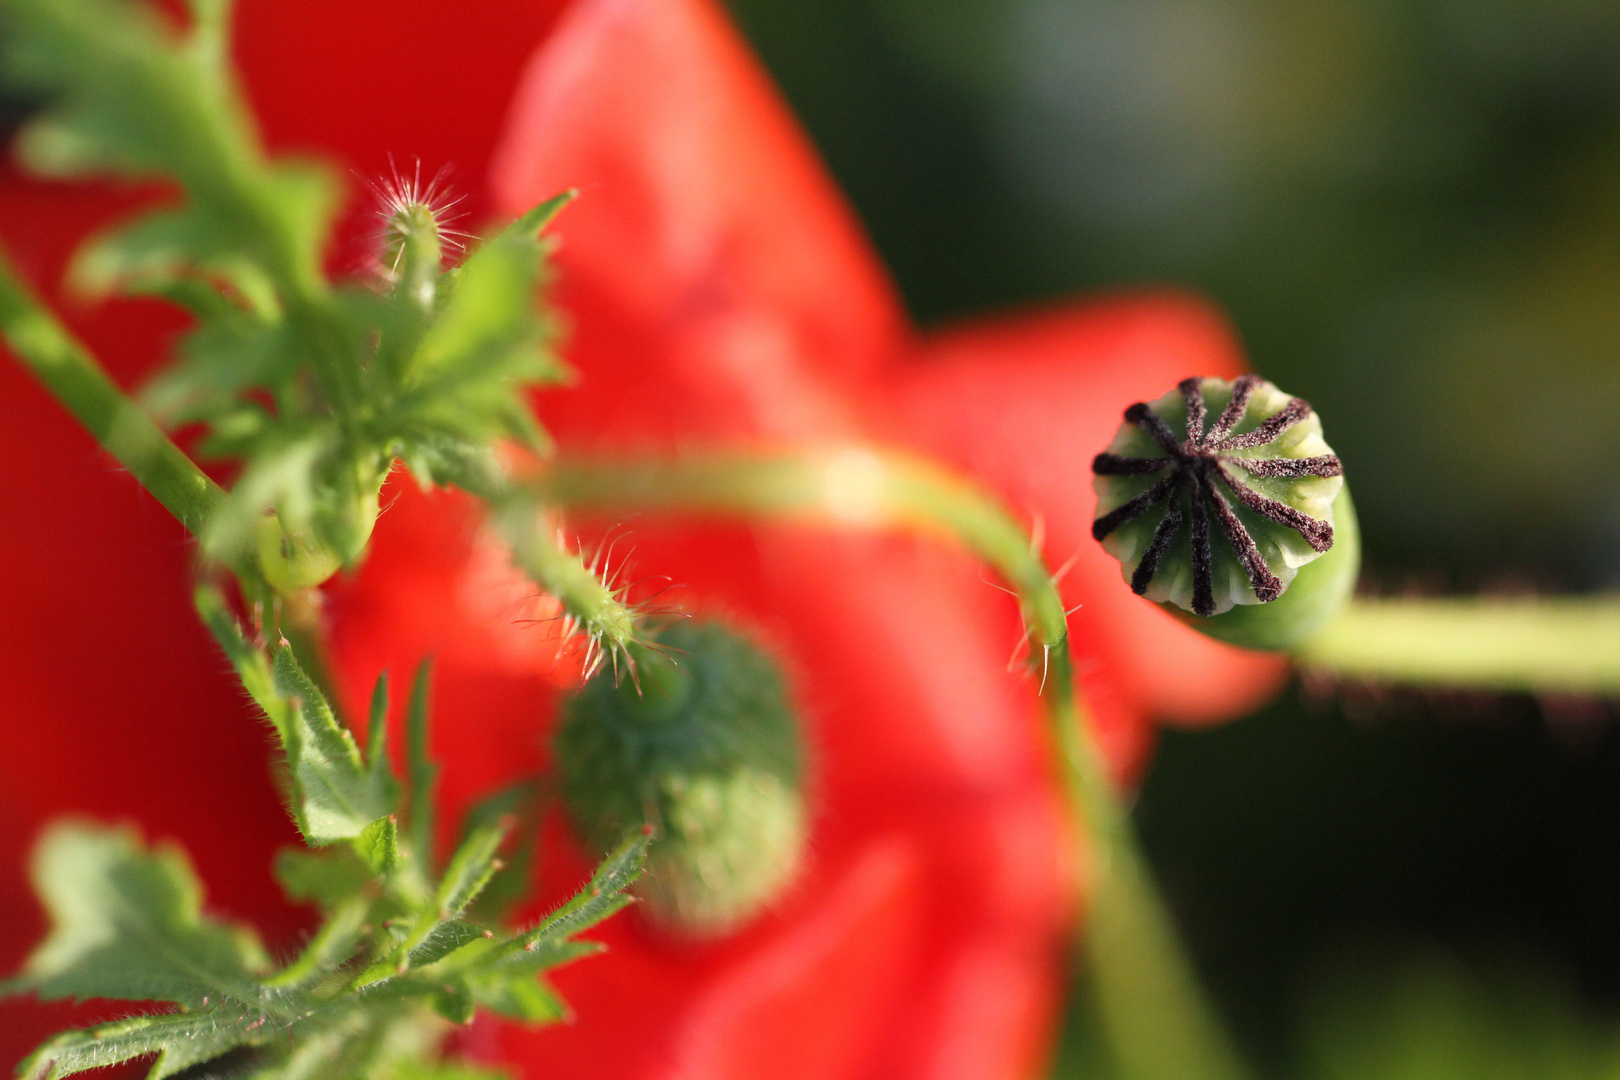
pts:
pixel 1221 499
pixel 703 745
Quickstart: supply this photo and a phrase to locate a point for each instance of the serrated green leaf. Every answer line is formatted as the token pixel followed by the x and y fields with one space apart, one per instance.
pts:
pixel 159 249
pixel 231 351
pixel 531 223
pixel 378 845
pixel 453 1000
pixel 126 923
pixel 180 1041
pixel 600 897
pixel 489 309
pixel 422 773
pixel 327 877
pixel 337 797
pixel 444 939
pixel 518 996
pixel 129 94
pixel 333 945
pixel 252 666
pixel 470 868
pixel 520 802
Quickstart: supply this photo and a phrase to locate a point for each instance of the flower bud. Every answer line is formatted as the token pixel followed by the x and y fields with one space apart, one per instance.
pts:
pixel 301 552
pixel 1224 505
pixel 703 746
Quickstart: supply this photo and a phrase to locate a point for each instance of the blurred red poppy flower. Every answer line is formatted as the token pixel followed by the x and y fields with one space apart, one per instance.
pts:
pixel 718 291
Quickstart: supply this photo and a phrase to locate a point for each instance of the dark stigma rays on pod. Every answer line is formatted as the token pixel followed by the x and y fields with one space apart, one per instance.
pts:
pixel 1216 494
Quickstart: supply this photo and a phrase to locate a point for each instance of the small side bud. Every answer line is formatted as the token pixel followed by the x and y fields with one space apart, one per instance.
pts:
pixel 1224 504
pixel 415 233
pixel 294 558
pixel 292 561
pixel 704 747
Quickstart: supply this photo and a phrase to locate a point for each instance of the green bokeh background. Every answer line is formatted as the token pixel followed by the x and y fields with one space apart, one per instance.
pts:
pixel 1411 211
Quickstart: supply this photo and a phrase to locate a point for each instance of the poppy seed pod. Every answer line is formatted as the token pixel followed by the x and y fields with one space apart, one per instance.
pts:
pixel 1224 504
pixel 703 745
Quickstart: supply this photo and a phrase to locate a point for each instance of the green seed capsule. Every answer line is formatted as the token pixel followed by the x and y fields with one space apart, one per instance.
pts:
pixel 1224 504
pixel 707 750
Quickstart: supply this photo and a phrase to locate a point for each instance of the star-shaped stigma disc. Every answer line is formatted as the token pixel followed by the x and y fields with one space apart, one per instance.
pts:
pixel 1261 472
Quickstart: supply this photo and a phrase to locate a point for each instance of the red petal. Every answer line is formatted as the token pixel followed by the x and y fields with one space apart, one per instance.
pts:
pixel 713 277
pixel 1024 405
pixel 371 81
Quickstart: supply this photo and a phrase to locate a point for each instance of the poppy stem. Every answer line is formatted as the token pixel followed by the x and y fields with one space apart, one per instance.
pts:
pixel 1567 645
pixel 74 378
pixel 592 603
pixel 1158 1023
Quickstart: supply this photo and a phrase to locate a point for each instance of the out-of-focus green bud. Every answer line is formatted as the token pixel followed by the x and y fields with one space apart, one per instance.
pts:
pixel 707 750
pixel 1224 504
pixel 292 561
pixel 294 558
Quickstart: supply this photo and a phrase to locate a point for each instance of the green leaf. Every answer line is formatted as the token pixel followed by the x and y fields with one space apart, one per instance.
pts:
pixel 519 996
pixel 521 802
pixel 600 897
pixel 333 945
pixel 532 223
pixel 423 774
pixel 154 252
pixel 378 845
pixel 443 1070
pixel 252 666
pixel 180 1041
pixel 377 728
pixel 490 308
pixel 327 877
pixel 130 95
pixel 126 922
pixel 444 939
pixel 470 868
pixel 453 1000
pixel 337 797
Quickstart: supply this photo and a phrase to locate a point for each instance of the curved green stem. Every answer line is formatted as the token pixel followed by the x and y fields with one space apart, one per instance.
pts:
pixel 590 603
pixel 1157 1022
pixel 72 375
pixel 1532 644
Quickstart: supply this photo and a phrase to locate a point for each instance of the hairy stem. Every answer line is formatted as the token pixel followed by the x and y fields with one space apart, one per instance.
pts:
pixel 589 601
pixel 1533 644
pixel 74 377
pixel 1157 1022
